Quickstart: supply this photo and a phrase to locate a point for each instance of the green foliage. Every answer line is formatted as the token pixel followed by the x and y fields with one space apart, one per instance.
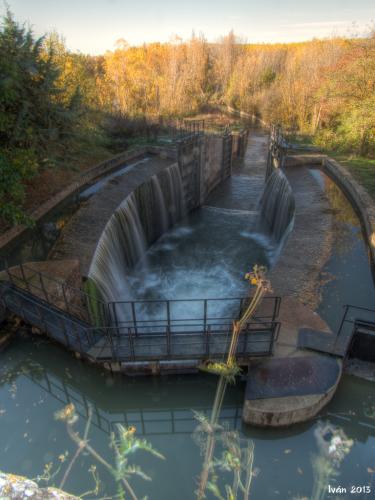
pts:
pixel 355 131
pixel 14 168
pixel 124 444
pixel 227 370
pixel 39 114
pixel 57 106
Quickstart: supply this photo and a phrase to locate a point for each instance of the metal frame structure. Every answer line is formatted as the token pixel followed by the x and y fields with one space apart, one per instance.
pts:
pixel 277 149
pixel 127 333
pixel 346 337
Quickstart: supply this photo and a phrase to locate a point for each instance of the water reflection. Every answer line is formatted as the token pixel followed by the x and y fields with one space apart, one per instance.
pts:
pixel 38 379
pixel 346 277
pixel 237 455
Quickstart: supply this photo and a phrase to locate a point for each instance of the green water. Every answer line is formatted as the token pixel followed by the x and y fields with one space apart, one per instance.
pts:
pixel 38 378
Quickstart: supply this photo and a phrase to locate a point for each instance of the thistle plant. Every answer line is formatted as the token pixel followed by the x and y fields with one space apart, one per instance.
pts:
pixel 235 459
pixel 229 369
pixel 334 446
pixel 124 444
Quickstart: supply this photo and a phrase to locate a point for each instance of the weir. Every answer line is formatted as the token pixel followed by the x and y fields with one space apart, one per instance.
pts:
pixel 121 245
pixel 141 219
pixel 277 205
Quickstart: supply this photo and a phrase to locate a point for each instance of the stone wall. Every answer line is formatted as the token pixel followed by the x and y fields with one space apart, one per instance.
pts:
pixel 360 199
pixel 190 162
pixel 104 168
pixel 205 161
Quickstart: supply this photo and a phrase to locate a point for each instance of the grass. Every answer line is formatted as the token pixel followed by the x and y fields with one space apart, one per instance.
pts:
pixel 362 168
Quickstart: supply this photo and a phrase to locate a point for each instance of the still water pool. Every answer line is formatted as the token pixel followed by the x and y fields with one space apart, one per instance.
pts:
pixel 38 379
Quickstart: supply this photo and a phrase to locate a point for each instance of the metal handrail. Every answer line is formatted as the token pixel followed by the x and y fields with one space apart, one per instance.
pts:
pixel 344 320
pixel 62 290
pixel 137 334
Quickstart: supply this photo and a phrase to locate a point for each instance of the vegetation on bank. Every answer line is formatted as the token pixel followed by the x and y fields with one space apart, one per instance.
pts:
pixel 362 168
pixel 60 110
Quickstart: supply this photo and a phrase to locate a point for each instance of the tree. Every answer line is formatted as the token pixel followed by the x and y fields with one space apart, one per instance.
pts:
pixel 34 117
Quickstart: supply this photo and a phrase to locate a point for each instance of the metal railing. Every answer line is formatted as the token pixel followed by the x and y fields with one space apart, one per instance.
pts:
pixel 58 293
pixel 150 421
pixel 277 149
pixel 166 312
pixel 137 330
pixel 157 343
pixel 178 130
pixel 352 316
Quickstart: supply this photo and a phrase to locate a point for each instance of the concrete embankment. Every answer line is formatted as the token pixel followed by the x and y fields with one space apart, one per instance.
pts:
pixel 359 197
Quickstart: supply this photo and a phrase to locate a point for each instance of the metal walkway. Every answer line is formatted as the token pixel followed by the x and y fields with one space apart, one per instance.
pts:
pixel 356 320
pixel 138 331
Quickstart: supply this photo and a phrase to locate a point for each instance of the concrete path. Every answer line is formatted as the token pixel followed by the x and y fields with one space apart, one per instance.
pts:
pixel 297 272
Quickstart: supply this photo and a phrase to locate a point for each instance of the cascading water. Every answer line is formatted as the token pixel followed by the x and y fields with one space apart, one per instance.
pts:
pixel 159 203
pixel 176 206
pixel 120 247
pixel 140 219
pixel 277 206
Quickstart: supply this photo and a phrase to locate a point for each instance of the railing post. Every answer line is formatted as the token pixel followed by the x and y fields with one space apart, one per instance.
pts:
pixel 273 335
pixel 341 326
pixel 277 308
pixel 246 332
pixel 88 337
pixel 65 299
pixel 168 314
pixel 168 329
pixel 9 274
pixel 208 331
pixel 19 301
pixel 134 318
pixel 64 332
pixel 205 316
pixel 77 336
pixel 240 311
pixel 43 287
pixel 24 277
pixel 86 308
pixel 40 314
pixel 131 344
pixel 168 335
pixel 114 314
pixel 112 347
pixel 346 307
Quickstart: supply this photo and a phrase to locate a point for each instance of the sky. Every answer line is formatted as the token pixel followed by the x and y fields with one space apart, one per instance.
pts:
pixel 94 26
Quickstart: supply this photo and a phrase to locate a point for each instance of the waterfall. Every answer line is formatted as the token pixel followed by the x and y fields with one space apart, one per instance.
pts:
pixel 176 206
pixel 159 204
pixel 140 220
pixel 277 205
pixel 121 245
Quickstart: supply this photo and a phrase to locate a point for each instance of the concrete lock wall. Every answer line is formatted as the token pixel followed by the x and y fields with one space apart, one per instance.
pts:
pixel 203 162
pixel 206 161
pixel 360 199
